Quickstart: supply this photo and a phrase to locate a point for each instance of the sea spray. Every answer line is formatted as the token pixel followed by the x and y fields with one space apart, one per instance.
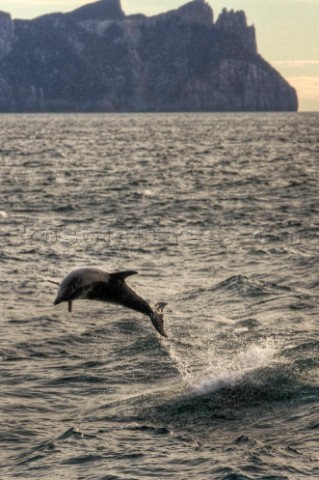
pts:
pixel 256 356
pixel 181 364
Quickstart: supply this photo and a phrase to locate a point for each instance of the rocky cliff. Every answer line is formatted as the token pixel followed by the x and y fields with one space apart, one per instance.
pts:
pixel 97 59
pixel 6 34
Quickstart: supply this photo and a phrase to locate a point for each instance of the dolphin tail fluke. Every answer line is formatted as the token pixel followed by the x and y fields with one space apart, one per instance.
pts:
pixel 158 319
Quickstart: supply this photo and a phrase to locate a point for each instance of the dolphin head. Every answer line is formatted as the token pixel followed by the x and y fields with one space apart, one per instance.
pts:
pixel 70 288
pixel 77 283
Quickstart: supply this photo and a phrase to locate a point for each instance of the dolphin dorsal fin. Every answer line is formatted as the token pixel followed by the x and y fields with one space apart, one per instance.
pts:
pixel 121 276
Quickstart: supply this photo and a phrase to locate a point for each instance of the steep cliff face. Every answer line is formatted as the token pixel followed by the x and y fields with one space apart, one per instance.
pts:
pixel 96 59
pixel 233 25
pixel 6 40
pixel 6 33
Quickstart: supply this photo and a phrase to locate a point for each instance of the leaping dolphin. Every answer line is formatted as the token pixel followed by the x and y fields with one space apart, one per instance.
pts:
pixel 96 284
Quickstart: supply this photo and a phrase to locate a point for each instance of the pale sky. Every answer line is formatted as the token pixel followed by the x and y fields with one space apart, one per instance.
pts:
pixel 287 32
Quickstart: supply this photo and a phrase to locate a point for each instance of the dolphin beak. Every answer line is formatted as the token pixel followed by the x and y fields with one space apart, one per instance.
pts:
pixel 57 301
pixel 60 300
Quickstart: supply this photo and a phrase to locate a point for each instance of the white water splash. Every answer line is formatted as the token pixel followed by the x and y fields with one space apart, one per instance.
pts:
pixel 180 363
pixel 241 365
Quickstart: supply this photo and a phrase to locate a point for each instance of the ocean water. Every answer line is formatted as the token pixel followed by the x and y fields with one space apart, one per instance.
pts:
pixel 219 213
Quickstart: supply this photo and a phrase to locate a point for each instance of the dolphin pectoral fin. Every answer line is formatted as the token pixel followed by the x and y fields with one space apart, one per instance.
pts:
pixel 157 318
pixel 122 275
pixel 70 306
pixel 52 281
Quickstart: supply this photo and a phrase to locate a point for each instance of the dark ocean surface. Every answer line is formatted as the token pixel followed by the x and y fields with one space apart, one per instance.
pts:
pixel 219 213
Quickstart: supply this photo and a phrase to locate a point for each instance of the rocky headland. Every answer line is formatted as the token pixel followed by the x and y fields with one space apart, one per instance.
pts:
pixel 97 59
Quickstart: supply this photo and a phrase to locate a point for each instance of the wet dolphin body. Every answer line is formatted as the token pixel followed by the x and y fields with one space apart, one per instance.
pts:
pixel 96 284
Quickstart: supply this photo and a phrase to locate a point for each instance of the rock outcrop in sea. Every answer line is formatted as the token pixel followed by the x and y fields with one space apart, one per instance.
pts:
pixel 98 59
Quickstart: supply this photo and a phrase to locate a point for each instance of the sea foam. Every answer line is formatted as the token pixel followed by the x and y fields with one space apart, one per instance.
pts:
pixel 255 357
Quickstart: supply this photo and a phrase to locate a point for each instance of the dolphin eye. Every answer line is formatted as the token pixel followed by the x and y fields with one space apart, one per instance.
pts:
pixel 72 288
pixel 75 284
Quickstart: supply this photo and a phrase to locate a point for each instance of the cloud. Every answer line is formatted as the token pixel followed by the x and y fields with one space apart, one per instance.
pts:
pixel 307 87
pixel 314 2
pixel 296 63
pixel 53 3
